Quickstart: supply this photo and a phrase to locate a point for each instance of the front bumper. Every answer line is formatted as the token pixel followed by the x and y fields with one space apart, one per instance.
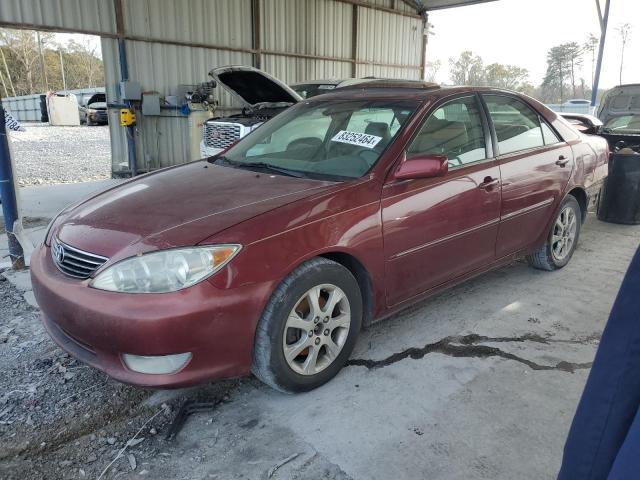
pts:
pixel 216 325
pixel 99 117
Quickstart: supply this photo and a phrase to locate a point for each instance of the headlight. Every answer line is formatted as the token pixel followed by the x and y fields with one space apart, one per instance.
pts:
pixel 166 270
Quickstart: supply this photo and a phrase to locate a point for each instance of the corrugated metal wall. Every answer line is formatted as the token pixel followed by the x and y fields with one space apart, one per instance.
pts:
pixel 94 15
pixel 172 42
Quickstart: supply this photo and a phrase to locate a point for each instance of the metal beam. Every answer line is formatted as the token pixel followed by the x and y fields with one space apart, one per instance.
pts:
pixel 354 41
pixel 138 38
pixel 377 7
pixel 603 37
pixel 256 33
pixel 8 196
pixel 461 3
pixel 130 131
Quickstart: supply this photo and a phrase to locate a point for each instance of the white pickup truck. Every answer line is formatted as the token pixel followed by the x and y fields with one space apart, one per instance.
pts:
pixel 262 97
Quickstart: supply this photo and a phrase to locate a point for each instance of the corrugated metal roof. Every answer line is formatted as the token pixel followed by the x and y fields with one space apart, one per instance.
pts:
pixel 94 15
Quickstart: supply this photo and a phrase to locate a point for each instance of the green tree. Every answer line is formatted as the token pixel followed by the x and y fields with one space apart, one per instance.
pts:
pixel 432 70
pixel 558 72
pixel 21 65
pixel 624 31
pixel 590 47
pixel 506 76
pixel 573 53
pixel 467 69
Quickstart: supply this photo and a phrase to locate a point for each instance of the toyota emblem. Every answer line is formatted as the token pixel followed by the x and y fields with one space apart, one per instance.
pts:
pixel 58 252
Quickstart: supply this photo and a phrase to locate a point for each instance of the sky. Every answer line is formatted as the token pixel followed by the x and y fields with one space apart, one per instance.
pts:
pixel 520 32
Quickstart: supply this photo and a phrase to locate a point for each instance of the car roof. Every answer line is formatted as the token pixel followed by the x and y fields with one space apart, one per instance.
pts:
pixel 407 89
pixel 331 81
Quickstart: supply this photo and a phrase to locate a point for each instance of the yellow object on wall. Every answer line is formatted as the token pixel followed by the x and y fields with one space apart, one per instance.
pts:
pixel 127 117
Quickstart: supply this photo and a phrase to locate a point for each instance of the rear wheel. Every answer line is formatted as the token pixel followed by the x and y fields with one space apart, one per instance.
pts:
pixel 562 239
pixel 309 328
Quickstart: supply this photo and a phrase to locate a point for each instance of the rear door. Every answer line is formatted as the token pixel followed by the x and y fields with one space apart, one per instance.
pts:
pixel 436 229
pixel 535 166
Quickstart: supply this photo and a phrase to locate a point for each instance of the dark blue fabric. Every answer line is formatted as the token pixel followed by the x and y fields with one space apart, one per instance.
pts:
pixel 611 397
pixel 626 465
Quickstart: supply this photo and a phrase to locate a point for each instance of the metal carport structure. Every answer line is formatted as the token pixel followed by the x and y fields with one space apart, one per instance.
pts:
pixel 166 43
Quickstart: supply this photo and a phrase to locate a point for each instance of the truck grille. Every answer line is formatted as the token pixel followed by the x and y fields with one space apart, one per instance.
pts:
pixel 74 262
pixel 221 135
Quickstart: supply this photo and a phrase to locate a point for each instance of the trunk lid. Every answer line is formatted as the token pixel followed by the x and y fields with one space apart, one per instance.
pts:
pixel 620 101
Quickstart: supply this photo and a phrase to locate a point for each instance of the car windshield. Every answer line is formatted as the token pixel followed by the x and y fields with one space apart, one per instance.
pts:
pixel 623 124
pixel 330 139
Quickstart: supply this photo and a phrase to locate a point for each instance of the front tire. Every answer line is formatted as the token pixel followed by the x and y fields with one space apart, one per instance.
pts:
pixel 562 239
pixel 309 327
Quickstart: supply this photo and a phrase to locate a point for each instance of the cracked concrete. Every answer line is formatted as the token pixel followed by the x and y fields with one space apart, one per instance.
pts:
pixel 480 382
pixel 467 346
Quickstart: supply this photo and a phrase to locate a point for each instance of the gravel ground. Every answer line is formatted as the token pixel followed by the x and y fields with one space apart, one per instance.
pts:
pixel 44 154
pixel 60 419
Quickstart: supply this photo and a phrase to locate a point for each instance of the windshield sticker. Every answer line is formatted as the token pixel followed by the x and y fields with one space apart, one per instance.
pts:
pixel 356 138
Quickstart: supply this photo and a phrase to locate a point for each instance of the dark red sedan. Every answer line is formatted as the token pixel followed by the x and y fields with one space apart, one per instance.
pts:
pixel 345 208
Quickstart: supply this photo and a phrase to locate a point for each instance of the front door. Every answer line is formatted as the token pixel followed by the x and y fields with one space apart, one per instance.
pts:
pixel 437 229
pixel 535 166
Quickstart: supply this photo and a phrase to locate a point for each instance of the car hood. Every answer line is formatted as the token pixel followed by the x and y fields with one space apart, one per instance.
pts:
pixel 175 207
pixel 619 101
pixel 253 87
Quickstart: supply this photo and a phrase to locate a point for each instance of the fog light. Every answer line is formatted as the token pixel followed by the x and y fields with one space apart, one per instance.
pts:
pixel 156 364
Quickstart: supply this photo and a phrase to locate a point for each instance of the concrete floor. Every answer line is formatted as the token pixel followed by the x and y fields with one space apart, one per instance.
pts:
pixel 480 382
pixel 466 414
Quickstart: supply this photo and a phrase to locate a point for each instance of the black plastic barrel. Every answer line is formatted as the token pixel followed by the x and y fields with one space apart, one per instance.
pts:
pixel 620 196
pixel 44 114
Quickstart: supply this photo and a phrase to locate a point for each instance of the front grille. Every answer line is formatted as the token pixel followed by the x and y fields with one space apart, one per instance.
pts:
pixel 221 135
pixel 74 262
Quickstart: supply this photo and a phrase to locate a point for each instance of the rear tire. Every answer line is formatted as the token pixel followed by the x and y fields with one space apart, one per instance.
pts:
pixel 562 239
pixel 302 343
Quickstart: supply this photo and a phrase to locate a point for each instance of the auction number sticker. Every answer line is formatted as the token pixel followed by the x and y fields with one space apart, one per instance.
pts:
pixel 356 138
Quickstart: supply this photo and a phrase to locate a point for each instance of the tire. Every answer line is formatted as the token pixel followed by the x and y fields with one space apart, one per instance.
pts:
pixel 551 256
pixel 317 363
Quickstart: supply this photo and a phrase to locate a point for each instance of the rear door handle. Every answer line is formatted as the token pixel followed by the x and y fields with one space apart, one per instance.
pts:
pixel 562 161
pixel 489 182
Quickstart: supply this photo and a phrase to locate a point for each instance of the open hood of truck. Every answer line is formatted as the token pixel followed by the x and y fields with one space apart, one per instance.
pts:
pixel 253 87
pixel 620 101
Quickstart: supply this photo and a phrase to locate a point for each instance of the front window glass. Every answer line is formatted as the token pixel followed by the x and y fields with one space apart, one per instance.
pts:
pixel 325 139
pixel 517 126
pixel 624 124
pixel 454 130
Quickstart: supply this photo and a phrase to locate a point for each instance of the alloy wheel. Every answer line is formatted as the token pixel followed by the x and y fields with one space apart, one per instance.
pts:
pixel 316 329
pixel 564 234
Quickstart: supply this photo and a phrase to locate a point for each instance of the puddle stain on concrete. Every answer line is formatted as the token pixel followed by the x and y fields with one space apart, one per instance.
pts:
pixel 468 346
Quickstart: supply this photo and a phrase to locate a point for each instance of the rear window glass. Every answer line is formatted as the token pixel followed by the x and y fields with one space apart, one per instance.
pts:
pixel 517 126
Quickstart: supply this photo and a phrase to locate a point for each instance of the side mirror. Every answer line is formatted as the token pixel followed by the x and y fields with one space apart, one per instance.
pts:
pixel 422 166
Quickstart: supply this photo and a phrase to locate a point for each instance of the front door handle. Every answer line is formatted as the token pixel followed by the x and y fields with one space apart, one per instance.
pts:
pixel 488 183
pixel 562 161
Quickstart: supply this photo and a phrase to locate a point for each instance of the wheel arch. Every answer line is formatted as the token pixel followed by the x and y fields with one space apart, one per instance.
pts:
pixel 362 276
pixel 580 195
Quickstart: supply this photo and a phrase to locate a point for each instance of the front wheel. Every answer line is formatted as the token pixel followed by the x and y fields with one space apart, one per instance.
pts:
pixel 562 239
pixel 309 327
